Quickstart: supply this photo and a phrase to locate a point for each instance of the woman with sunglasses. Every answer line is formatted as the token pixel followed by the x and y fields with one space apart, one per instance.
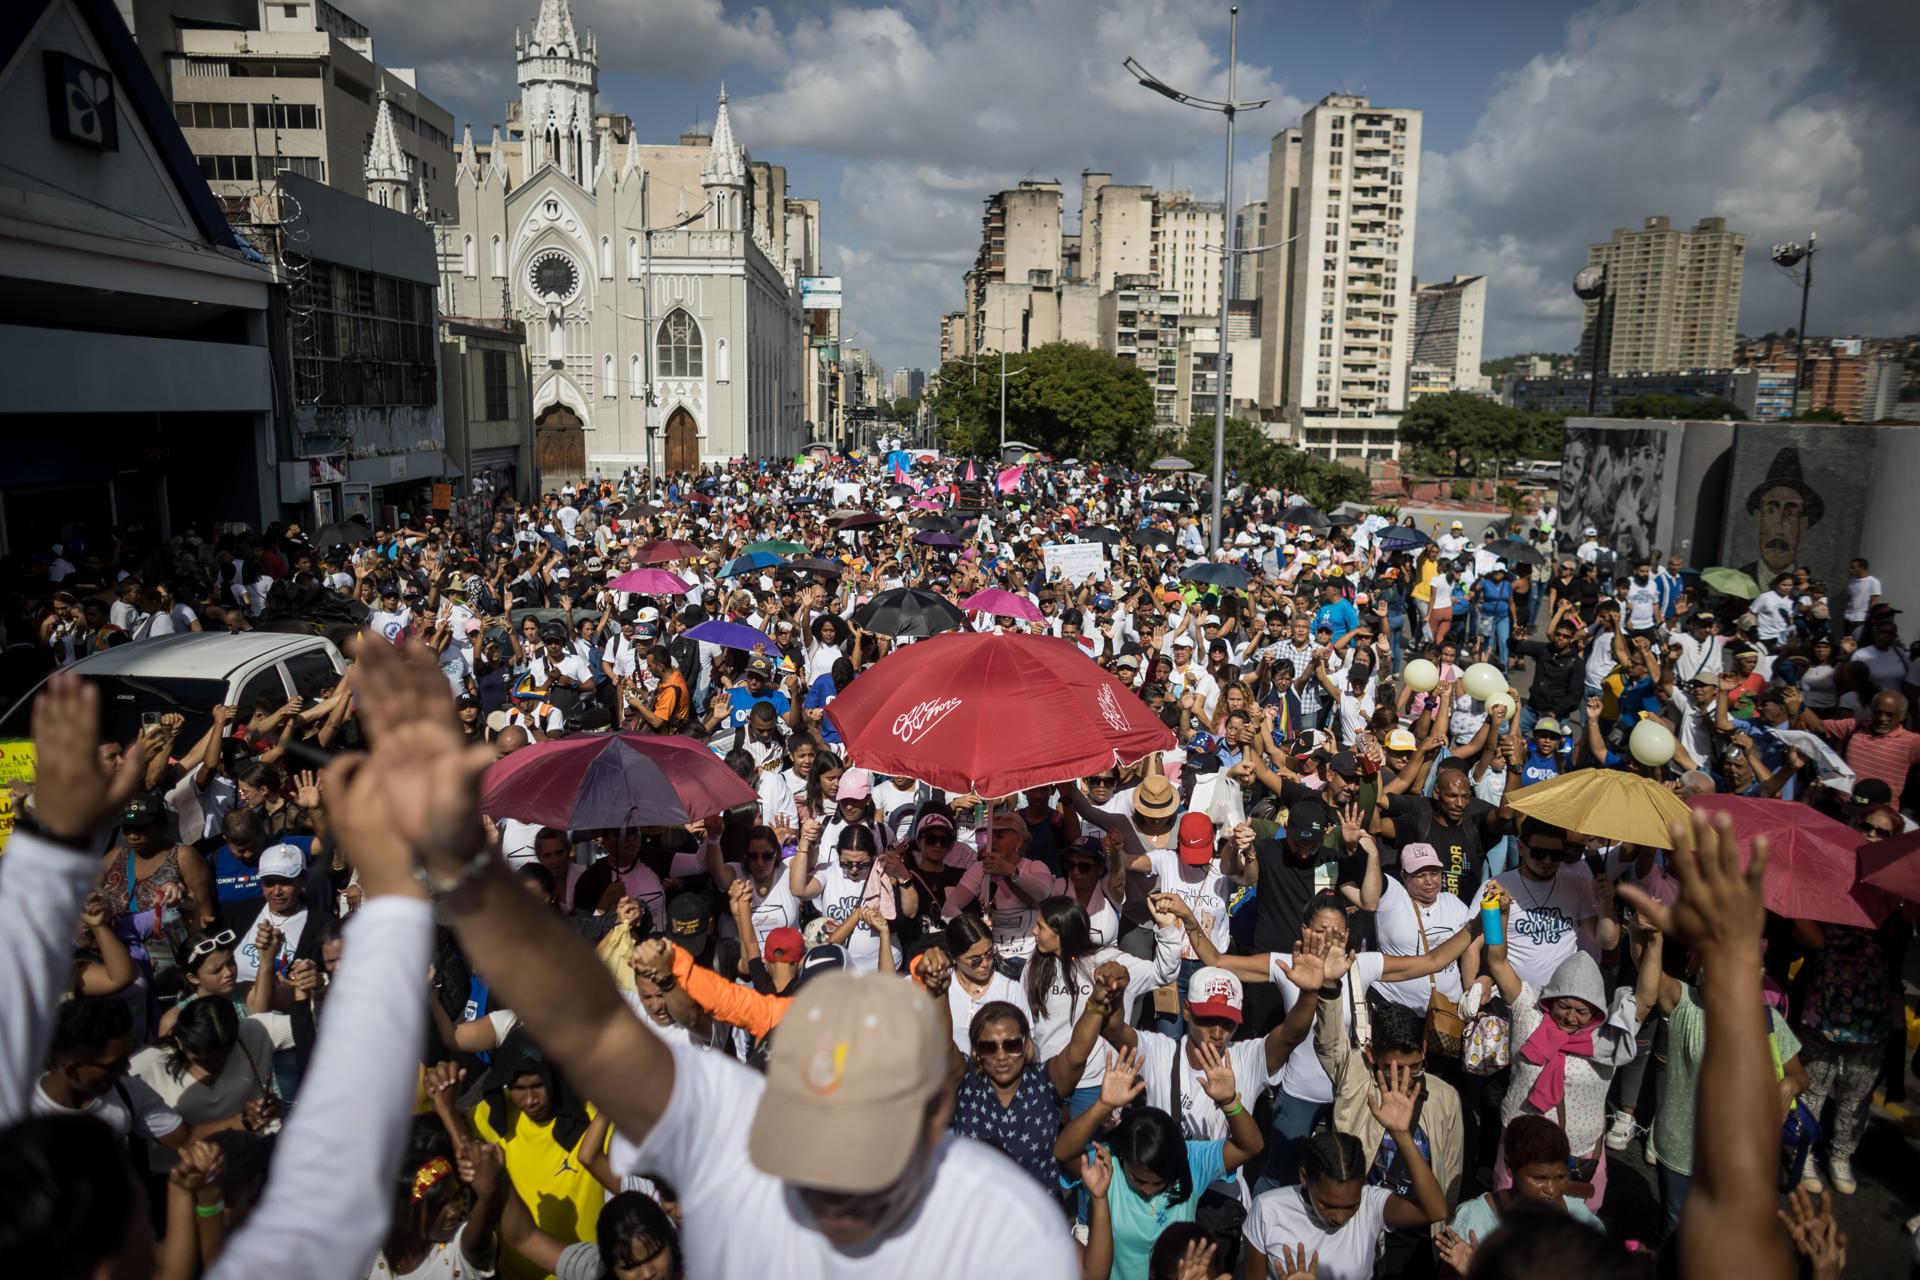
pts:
pixel 1096 877
pixel 978 982
pixel 758 865
pixel 840 887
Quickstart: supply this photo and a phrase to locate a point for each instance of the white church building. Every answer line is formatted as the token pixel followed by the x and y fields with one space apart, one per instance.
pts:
pixel 661 303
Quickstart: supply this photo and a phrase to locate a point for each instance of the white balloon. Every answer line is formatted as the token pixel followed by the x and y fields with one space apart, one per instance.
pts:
pixel 1421 676
pixel 1502 699
pixel 1484 681
pixel 1651 743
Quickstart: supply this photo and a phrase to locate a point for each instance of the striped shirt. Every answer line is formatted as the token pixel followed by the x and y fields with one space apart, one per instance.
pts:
pixel 1886 758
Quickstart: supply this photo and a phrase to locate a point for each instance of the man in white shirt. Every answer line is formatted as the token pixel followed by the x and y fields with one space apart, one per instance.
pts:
pixel 1558 907
pixel 1453 541
pixel 1643 601
pixel 1700 649
pixel 1588 552
pixel 1773 610
pixel 1190 677
pixel 86 1075
pixel 1863 592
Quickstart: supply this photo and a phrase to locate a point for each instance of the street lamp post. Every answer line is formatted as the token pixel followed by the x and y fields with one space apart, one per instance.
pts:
pixel 1590 285
pixel 1230 108
pixel 1788 256
pixel 1004 375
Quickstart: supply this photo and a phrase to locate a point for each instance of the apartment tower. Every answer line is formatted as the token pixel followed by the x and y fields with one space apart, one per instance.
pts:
pixel 1672 298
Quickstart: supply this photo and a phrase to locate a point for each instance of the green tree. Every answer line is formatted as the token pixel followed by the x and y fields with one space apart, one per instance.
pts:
pixel 1252 458
pixel 1467 430
pixel 1068 400
pixel 1702 408
pixel 1821 415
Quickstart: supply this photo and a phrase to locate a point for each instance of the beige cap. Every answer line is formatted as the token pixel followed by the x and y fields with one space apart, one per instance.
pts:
pixel 855 1062
pixel 1155 797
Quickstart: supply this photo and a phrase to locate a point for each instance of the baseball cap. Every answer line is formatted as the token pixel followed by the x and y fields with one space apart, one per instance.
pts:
pixel 1457 525
pixel 858 1056
pixel 1590 532
pixel 1344 764
pixel 1307 821
pixel 1196 839
pixel 1183 641
pixel 760 665
pixel 282 860
pixel 142 811
pixel 785 945
pixel 390 589
pixel 855 784
pixel 1418 857
pixel 1401 740
pixel 1215 993
pixel 1155 798
pixel 1547 724
pixel 689 921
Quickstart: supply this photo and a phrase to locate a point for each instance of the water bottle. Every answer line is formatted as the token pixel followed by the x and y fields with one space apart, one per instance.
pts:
pixel 1491 926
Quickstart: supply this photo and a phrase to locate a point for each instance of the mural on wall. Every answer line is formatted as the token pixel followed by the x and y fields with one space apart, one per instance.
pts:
pixel 1797 499
pixel 1611 480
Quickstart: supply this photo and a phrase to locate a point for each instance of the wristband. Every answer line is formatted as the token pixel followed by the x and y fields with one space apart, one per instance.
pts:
pixel 1330 991
pixel 1233 1107
pixel 210 1210
pixel 1102 1009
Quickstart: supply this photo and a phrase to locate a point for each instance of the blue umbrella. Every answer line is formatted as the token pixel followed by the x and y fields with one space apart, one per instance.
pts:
pixel 1400 535
pixel 1231 576
pixel 734 635
pixel 557 542
pixel 749 563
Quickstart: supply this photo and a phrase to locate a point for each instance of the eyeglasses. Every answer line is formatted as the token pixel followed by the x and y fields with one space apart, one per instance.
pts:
pixel 1106 780
pixel 1872 832
pixel 992 1048
pixel 220 941
pixel 939 839
pixel 855 869
pixel 988 956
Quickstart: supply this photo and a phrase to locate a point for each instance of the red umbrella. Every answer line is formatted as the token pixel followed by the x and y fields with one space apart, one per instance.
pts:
pixel 1001 604
pixel 1893 866
pixel 661 550
pixel 1812 867
pixel 649 582
pixel 992 714
pixel 612 780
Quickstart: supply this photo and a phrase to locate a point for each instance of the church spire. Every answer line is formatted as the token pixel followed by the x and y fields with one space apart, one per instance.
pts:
pixel 386 174
pixel 725 162
pixel 554 26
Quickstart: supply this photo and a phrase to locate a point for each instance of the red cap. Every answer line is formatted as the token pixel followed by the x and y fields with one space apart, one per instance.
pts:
pixel 785 945
pixel 1196 839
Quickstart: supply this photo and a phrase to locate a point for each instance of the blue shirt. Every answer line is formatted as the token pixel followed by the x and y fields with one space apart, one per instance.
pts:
pixel 1341 616
pixel 1138 1223
pixel 740 704
pixel 238 881
pixel 1022 1130
pixel 819 694
pixel 1538 768
pixel 1495 595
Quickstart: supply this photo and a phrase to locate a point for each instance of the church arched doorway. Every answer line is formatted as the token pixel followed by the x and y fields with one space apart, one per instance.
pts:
pixel 683 442
pixel 559 447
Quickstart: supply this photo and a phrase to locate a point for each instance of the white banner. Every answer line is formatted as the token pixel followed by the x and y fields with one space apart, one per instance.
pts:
pixel 1076 561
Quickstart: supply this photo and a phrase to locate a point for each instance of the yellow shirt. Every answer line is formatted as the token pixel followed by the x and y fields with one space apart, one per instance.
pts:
pixel 1423 589
pixel 554 1183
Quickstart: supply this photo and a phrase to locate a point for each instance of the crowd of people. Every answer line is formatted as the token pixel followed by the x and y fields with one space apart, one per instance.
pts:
pixel 1303 995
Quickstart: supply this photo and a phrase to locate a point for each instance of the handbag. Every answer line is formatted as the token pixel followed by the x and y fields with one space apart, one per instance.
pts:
pixel 1446 1029
pixel 1487 1044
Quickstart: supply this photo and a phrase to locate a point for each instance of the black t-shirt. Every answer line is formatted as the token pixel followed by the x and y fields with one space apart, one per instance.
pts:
pixel 1288 885
pixel 1585 593
pixel 1462 849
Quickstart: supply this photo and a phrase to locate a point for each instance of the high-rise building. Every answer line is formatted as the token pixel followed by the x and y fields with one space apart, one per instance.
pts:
pixel 1860 387
pixel 1188 236
pixel 1672 298
pixel 1249 232
pixel 1448 320
pixel 1019 248
pixel 1337 307
pixel 953 336
pixel 260 89
pixel 1140 322
pixel 1117 231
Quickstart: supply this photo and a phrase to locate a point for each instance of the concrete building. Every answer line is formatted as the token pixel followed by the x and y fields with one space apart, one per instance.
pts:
pixel 659 286
pixel 908 383
pixel 1140 322
pixel 1568 394
pixel 1197 376
pixel 1189 235
pixel 1117 231
pixel 1449 318
pixel 953 337
pixel 484 397
pixel 1250 231
pixel 1861 388
pixel 1356 441
pixel 260 88
pixel 135 326
pixel 1019 247
pixel 1672 298
pixel 1338 306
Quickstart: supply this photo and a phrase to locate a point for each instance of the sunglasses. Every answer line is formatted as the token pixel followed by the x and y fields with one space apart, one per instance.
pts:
pixel 991 1048
pixel 985 957
pixel 1079 866
pixel 221 941
pixel 1105 781
pixel 1548 852
pixel 762 855
pixel 939 839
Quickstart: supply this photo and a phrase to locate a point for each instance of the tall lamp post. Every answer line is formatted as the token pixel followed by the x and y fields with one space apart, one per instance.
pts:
pixel 1004 375
pixel 1230 108
pixel 1590 285
pixel 1788 256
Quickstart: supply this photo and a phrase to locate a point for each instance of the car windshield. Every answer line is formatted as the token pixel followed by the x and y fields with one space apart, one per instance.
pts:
pixel 127 702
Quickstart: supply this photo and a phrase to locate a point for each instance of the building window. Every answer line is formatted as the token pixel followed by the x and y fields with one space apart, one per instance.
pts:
pixel 497 259
pixel 633 257
pixel 634 387
pixel 680 348
pixel 466 257
pixel 607 385
pixel 496 387
pixel 606 258
pixel 369 340
pixel 226 168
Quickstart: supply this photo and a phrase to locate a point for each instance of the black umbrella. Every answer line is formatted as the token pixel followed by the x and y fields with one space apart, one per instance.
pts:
pixel 858 520
pixel 1150 537
pixel 945 524
pixel 342 533
pixel 1514 551
pixel 970 472
pixel 813 565
pixel 909 611
pixel 1402 536
pixel 1308 516
pixel 901 491
pixel 1216 575
pixel 1172 496
pixel 1101 533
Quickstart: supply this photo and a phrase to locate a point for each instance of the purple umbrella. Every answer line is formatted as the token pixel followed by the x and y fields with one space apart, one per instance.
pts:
pixel 935 538
pixel 734 635
pixel 612 780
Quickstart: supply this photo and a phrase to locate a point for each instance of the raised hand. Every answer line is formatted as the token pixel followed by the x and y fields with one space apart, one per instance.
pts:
pixel 201 1167
pixel 479 1164
pixel 1719 907
pixel 935 971
pixel 1197 1262
pixel 1454 1251
pixel 739 898
pixel 1168 909
pixel 653 959
pixel 1352 825
pixel 74 795
pixel 626 910
pixel 96 914
pixel 1392 1099
pixel 1110 983
pixel 1096 1171
pixel 1219 1083
pixel 1308 970
pixel 1122 1083
pixel 1815 1233
pixel 444 1078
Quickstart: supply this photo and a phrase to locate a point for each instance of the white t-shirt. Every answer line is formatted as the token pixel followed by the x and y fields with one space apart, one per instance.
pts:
pixel 777 908
pixel 1200 1117
pixel 840 897
pixel 246 957
pixel 1066 997
pixel 975 1214
pixel 1860 594
pixel 1282 1218
pixel 1600 663
pixel 1398 933
pixel 1208 894
pixel 1543 927
pixel 1643 604
pixel 1772 614
pixel 388 624
pixel 151 1115
pixel 1303 1077
pixel 963 1005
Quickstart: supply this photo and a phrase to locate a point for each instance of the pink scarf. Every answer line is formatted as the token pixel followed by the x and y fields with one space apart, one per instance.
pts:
pixel 1547 1048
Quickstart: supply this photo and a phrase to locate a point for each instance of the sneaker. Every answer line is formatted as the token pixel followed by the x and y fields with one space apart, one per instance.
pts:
pixel 1840 1169
pixel 1622 1131
pixel 1810 1179
pixel 1648 1153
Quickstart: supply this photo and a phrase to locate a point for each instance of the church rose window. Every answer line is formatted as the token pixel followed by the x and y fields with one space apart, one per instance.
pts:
pixel 553 276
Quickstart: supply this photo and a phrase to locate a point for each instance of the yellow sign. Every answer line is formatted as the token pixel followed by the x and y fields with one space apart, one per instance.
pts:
pixel 16 766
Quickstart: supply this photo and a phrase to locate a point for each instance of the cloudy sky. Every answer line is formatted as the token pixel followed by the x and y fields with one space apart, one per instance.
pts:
pixel 1547 124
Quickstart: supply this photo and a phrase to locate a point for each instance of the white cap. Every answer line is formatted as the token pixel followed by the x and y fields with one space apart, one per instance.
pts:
pixel 282 860
pixel 1590 532
pixel 1215 993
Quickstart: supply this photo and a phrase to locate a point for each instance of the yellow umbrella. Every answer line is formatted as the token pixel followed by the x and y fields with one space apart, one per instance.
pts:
pixel 1611 804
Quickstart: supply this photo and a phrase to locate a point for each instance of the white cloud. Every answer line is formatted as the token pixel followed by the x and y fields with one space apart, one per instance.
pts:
pixel 1757 110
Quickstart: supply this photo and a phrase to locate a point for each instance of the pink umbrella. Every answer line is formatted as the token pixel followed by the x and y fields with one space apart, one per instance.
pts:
pixel 1812 863
pixel 611 780
pixel 649 582
pixel 1001 604
pixel 921 504
pixel 1893 866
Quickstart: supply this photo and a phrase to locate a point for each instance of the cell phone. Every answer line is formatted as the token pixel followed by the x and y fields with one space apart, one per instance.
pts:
pixel 148 719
